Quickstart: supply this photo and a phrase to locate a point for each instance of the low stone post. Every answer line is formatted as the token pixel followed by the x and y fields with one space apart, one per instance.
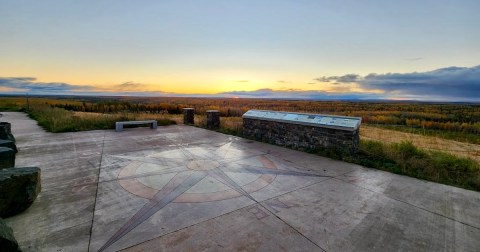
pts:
pixel 188 115
pixel 213 119
pixel 7 158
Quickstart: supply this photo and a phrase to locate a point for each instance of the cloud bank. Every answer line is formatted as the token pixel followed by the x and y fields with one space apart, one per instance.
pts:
pixel 451 83
pixel 300 94
pixel 29 84
pixel 446 84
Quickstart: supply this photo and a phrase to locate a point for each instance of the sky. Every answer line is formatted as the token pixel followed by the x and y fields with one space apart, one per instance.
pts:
pixel 308 49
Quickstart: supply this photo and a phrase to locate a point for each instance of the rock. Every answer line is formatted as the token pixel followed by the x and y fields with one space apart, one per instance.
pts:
pixel 7 158
pixel 6 131
pixel 8 144
pixel 7 240
pixel 19 187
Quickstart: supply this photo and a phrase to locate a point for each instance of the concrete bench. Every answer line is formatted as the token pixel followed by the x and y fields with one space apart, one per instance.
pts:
pixel 119 125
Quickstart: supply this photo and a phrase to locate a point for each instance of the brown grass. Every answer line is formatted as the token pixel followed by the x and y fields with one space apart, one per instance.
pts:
pixel 425 142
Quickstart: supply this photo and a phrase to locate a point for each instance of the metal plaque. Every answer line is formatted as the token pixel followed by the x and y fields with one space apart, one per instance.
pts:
pixel 329 121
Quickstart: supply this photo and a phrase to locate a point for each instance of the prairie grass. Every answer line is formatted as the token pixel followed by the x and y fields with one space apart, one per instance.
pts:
pixel 407 159
pixel 60 120
pixel 466 137
pixel 456 148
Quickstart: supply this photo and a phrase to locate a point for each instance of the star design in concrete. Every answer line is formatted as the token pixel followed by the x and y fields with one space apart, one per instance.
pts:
pixel 194 174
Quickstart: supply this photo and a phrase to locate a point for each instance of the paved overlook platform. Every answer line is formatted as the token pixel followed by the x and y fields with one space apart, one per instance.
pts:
pixel 181 188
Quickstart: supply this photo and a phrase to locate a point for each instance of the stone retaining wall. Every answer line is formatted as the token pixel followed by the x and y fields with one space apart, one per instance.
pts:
pixel 300 136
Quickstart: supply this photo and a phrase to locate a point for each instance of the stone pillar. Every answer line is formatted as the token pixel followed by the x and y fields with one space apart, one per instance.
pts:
pixel 213 119
pixel 7 157
pixel 189 116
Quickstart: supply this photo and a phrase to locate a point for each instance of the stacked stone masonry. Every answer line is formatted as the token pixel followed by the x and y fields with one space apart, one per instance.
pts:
pixel 301 136
pixel 213 119
pixel 188 115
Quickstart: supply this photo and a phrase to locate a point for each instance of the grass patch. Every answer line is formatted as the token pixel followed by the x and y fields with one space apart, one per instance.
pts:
pixel 465 137
pixel 405 158
pixel 60 120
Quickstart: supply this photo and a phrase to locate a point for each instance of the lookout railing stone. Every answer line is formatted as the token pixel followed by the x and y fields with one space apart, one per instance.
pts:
pixel 213 119
pixel 303 131
pixel 189 116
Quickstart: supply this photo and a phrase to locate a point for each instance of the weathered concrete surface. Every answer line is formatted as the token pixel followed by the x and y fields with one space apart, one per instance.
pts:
pixel 19 188
pixel 182 188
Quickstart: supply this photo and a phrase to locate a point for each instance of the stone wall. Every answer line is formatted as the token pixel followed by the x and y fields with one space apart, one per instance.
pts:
pixel 299 136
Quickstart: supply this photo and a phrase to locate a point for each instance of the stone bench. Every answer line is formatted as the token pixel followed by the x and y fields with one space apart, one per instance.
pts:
pixel 119 125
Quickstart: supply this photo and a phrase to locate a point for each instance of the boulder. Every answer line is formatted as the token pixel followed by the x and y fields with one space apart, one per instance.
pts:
pixel 19 187
pixel 7 158
pixel 6 131
pixel 7 240
pixel 8 144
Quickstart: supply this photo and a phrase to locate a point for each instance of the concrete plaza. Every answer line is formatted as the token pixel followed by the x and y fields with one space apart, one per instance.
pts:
pixel 181 188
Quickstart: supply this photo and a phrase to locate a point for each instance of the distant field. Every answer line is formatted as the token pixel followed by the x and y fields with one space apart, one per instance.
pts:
pixel 453 121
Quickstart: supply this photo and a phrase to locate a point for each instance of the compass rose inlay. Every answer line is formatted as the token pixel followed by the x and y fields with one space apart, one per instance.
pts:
pixel 194 175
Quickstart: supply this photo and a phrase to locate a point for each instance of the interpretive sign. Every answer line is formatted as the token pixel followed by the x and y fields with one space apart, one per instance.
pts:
pixel 344 122
pixel 302 130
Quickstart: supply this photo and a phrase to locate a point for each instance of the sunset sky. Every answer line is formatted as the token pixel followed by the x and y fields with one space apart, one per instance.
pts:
pixel 318 49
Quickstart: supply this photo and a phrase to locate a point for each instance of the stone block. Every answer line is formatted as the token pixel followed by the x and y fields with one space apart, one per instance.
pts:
pixel 8 144
pixel 6 131
pixel 7 157
pixel 19 187
pixel 213 119
pixel 188 116
pixel 7 240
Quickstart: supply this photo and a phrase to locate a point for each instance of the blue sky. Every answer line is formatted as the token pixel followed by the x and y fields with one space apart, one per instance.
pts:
pixel 394 49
